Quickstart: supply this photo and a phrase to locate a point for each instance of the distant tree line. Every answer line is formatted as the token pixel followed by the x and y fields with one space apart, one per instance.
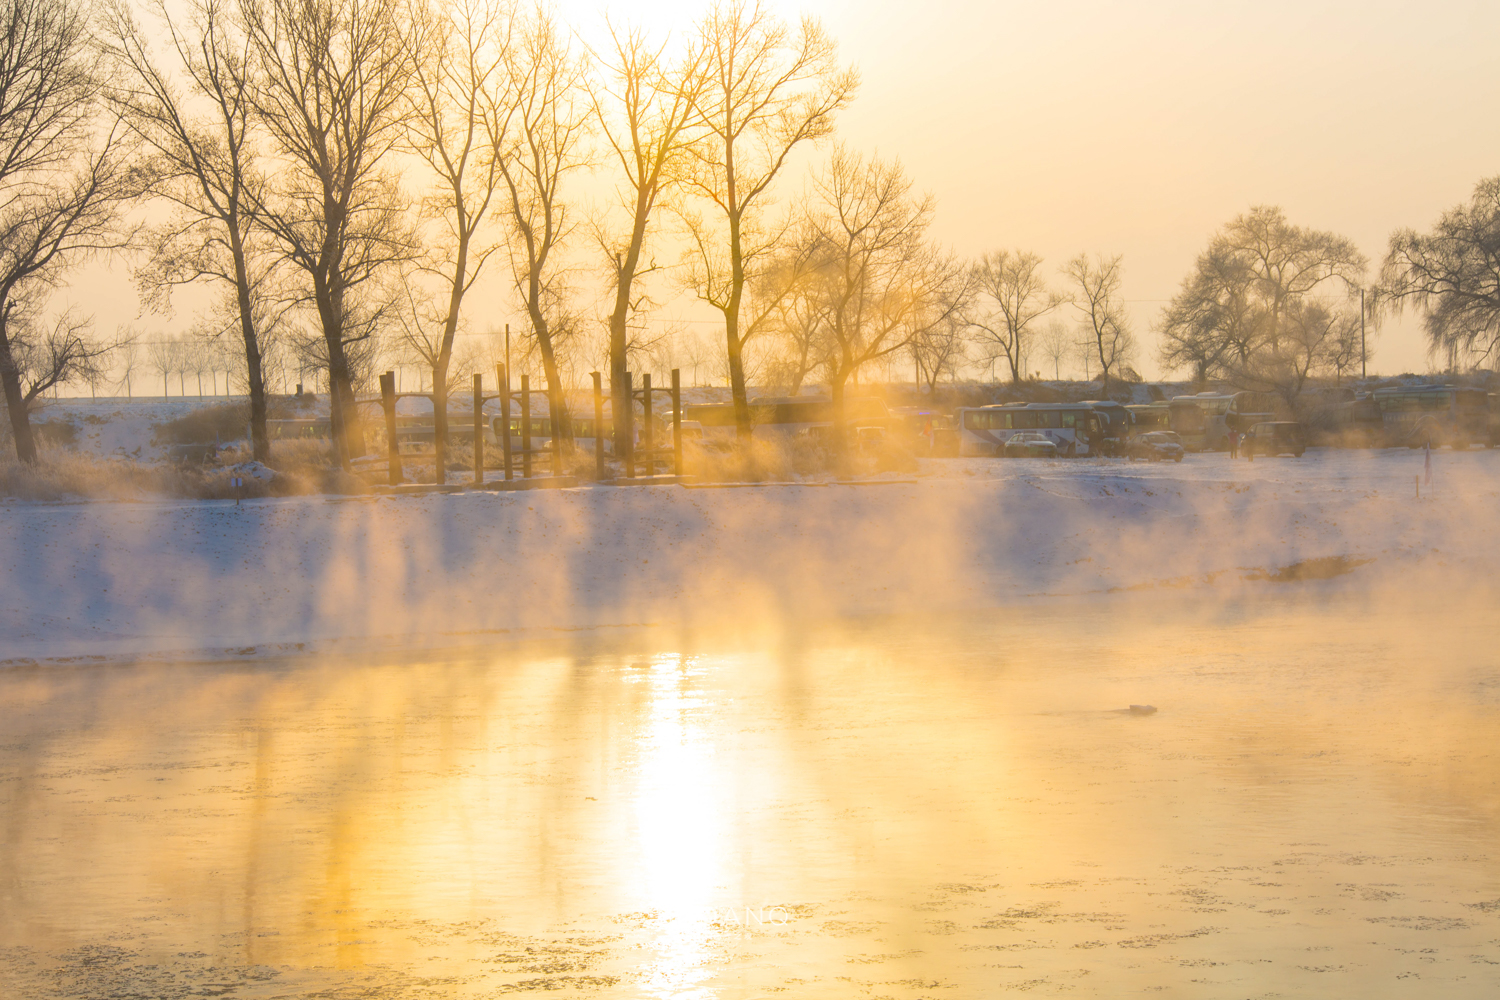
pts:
pixel 340 175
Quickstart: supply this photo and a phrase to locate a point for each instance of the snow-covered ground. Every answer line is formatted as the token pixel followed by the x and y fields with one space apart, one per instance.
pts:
pixel 117 579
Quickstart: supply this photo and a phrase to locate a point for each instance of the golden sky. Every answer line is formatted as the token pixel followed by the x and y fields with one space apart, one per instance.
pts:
pixel 1139 128
pixel 1133 128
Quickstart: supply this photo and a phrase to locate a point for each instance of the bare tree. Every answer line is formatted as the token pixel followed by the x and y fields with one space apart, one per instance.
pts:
pixel 203 138
pixel 796 312
pixel 458 72
pixel 63 177
pixel 942 349
pixel 879 284
pixel 646 108
pixel 127 358
pixel 1012 295
pixel 544 144
pixel 50 355
pixel 768 90
pixel 1056 343
pixel 162 356
pixel 1451 275
pixel 1098 284
pixel 1212 326
pixel 328 86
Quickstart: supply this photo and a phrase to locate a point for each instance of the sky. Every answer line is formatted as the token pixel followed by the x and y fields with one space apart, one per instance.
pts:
pixel 1140 128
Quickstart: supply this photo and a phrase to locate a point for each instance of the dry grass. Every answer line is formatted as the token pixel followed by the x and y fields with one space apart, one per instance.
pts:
pixel 224 421
pixel 302 467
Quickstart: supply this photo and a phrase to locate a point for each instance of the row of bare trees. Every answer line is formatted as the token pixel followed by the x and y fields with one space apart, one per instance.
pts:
pixel 271 143
pixel 341 173
pixel 335 171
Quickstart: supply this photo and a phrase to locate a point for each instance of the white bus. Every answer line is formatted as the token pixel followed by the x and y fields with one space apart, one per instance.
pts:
pixel 1074 427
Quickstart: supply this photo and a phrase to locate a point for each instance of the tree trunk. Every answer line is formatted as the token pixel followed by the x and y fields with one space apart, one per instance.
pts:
pixel 440 418
pixel 736 346
pixel 260 440
pixel 343 421
pixel 744 429
pixel 840 443
pixel 620 402
pixel 15 401
pixel 556 406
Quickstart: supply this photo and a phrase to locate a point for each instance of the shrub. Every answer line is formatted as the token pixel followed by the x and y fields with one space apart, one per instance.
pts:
pixel 208 425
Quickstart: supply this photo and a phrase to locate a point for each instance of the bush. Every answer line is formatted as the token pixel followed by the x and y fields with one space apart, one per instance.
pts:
pixel 209 425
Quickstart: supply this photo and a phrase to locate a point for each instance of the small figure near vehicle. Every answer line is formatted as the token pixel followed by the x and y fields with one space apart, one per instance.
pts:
pixel 1276 437
pixel 1156 446
pixel 1234 444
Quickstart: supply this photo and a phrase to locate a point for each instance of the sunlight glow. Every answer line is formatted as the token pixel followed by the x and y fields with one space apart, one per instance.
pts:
pixel 681 826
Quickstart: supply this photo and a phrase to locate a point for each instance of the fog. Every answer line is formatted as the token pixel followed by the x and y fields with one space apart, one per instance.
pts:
pixel 184 576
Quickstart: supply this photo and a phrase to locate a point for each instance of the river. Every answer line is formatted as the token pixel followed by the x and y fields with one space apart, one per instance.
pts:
pixel 899 807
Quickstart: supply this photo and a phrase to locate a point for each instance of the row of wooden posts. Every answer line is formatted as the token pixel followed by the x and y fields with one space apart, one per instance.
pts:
pixel 648 453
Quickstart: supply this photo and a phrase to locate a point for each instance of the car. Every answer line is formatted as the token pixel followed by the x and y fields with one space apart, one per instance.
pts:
pixel 1156 446
pixel 1275 437
pixel 1030 444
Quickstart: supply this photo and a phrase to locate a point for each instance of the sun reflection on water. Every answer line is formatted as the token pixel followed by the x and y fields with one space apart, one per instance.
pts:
pixel 681 824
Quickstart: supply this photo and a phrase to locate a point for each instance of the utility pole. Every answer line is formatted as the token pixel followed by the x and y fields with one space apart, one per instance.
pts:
pixel 1361 333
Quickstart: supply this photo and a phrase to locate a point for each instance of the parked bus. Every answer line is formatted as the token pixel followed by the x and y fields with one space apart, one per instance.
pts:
pixel 1205 420
pixel 1200 421
pixel 1115 421
pixel 1075 428
pixel 1353 423
pixel 924 431
pixel 1147 417
pixel 1434 415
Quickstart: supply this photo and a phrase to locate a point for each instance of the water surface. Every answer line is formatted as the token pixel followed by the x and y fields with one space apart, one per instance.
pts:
pixel 903 807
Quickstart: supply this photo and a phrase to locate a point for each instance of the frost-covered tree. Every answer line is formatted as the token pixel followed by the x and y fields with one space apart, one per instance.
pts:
pixel 1261 309
pixel 1452 274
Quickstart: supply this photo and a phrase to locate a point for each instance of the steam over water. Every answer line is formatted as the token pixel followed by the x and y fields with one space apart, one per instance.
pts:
pixel 897 807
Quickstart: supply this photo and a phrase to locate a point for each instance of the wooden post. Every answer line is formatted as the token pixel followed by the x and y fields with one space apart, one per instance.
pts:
pixel 648 438
pixel 598 427
pixel 393 448
pixel 677 421
pixel 525 427
pixel 629 417
pixel 478 428
pixel 502 379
